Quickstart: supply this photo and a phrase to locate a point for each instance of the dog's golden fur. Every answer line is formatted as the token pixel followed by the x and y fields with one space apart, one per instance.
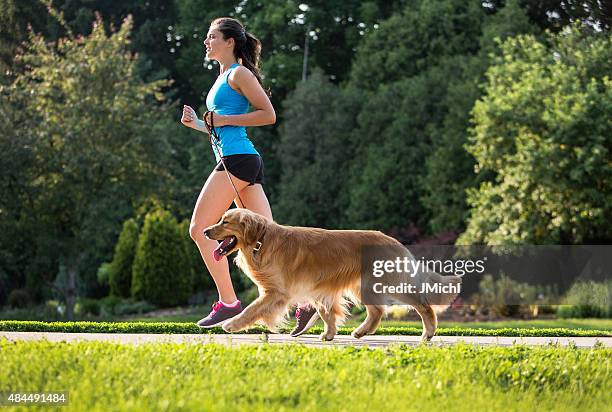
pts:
pixel 298 264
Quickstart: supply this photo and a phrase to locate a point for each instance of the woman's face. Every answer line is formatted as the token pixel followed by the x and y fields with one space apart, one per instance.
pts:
pixel 215 45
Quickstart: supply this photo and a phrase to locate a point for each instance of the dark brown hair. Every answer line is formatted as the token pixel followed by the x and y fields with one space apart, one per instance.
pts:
pixel 247 47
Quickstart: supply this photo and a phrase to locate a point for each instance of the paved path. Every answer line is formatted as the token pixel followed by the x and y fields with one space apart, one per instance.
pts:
pixel 310 340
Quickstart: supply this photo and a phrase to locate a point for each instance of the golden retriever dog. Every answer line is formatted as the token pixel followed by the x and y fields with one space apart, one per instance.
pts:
pixel 297 264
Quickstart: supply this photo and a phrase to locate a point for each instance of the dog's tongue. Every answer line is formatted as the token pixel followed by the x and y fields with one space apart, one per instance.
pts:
pixel 217 252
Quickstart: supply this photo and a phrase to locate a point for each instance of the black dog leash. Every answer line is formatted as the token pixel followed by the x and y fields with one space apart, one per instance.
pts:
pixel 210 125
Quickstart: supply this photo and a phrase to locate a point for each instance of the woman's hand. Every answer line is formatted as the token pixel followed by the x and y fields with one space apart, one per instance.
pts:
pixel 189 118
pixel 220 120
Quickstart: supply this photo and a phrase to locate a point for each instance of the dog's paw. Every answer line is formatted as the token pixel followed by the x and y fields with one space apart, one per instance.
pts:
pixel 231 326
pixel 326 337
pixel 358 334
pixel 426 337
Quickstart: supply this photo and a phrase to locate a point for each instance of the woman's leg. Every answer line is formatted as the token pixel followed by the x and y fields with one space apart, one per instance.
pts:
pixel 214 199
pixel 255 200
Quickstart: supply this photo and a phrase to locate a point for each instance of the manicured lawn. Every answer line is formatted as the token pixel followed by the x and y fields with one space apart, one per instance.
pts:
pixel 107 376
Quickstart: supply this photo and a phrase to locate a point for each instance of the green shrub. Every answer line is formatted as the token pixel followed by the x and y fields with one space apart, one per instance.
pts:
pixel 87 307
pixel 108 304
pixel 4 277
pixel 103 273
pixel 131 306
pixel 587 300
pixel 201 279
pixel 50 311
pixel 504 296
pixel 120 269
pixel 541 140
pixel 18 298
pixel 161 272
pixel 116 306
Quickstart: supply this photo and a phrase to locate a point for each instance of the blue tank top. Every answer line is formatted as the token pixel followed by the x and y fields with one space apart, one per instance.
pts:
pixel 222 99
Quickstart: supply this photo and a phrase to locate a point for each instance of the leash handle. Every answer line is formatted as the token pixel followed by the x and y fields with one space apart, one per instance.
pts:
pixel 213 134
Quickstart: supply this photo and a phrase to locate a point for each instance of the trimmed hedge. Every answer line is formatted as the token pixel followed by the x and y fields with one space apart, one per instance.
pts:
pixel 186 327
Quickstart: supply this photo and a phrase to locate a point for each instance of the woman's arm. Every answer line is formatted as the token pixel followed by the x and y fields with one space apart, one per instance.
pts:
pixel 247 85
pixel 190 119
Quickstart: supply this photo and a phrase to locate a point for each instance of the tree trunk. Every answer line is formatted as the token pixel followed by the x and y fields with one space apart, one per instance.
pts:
pixel 70 293
pixel 71 287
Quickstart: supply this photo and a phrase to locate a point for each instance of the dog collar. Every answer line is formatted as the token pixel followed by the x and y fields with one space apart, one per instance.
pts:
pixel 258 244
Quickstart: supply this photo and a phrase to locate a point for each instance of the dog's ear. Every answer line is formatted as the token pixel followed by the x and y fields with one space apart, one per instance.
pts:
pixel 253 227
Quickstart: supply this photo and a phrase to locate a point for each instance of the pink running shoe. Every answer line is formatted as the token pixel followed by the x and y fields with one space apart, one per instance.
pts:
pixel 219 314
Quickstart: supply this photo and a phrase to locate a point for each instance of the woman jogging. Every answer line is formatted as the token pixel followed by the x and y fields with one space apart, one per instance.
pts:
pixel 238 86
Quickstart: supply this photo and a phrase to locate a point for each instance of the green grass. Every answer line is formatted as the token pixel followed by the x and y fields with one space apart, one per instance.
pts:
pixel 102 376
pixel 175 327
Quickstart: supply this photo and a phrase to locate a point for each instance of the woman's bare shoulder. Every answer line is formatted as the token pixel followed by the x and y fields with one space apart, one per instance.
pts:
pixel 241 73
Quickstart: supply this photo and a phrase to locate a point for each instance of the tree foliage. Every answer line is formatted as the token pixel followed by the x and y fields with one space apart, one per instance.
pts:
pixel 316 151
pixel 392 142
pixel 421 36
pixel 543 130
pixel 82 123
pixel 421 54
pixel 449 167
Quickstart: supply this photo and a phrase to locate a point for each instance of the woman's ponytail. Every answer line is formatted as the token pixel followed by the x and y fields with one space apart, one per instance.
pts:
pixel 249 54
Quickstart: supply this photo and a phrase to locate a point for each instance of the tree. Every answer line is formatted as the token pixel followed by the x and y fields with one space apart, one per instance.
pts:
pixel 408 66
pixel 542 130
pixel 391 144
pixel 86 126
pixel 449 167
pixel 336 28
pixel 151 19
pixel 421 36
pixel 556 14
pixel 315 152
pixel 162 272
pixel 410 166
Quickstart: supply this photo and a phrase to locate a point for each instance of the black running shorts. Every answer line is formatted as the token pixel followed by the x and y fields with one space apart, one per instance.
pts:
pixel 246 167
